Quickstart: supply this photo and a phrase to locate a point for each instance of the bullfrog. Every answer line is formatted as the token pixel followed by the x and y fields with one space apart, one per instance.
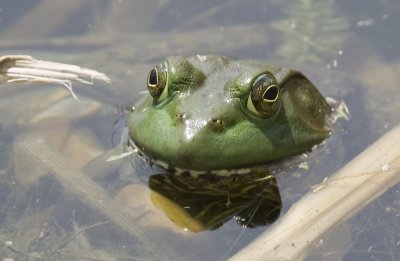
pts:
pixel 211 114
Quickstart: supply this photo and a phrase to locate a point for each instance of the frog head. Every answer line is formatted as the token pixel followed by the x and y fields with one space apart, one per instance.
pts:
pixel 210 113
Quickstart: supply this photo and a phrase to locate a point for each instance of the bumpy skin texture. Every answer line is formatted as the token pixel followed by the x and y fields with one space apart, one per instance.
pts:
pixel 204 123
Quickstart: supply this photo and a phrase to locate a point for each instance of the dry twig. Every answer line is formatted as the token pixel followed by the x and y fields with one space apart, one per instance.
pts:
pixel 24 68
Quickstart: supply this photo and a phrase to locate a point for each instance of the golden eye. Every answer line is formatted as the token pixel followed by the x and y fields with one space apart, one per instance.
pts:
pixel 157 81
pixel 264 96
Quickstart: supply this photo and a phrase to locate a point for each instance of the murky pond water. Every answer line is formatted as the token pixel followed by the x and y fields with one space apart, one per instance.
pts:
pixel 59 201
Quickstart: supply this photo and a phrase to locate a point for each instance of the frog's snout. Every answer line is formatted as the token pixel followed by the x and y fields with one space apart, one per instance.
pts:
pixel 192 124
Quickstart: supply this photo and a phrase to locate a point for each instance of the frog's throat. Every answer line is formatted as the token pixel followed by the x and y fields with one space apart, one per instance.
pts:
pixel 182 172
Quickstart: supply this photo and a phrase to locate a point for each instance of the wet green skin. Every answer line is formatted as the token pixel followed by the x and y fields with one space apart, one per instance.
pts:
pixel 204 123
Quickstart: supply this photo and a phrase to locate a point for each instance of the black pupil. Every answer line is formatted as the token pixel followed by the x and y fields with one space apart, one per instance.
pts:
pixel 153 77
pixel 271 93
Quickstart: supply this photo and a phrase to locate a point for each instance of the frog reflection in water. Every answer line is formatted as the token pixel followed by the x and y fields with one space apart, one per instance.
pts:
pixel 217 117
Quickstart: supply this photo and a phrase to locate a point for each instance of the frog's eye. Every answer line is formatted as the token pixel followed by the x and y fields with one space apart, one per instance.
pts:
pixel 157 81
pixel 264 96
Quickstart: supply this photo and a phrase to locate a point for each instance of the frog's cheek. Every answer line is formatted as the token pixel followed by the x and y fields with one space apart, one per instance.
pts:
pixel 155 135
pixel 164 138
pixel 174 142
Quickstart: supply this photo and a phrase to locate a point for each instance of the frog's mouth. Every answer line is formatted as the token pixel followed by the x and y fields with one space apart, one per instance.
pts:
pixel 185 172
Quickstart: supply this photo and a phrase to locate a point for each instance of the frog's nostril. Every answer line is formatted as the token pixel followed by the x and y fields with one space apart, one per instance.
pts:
pixel 181 116
pixel 216 124
pixel 216 121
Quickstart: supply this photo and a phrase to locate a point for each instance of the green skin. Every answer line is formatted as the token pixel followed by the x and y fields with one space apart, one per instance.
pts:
pixel 203 120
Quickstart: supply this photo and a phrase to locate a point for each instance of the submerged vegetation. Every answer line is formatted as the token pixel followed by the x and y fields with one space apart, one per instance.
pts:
pixel 313 30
